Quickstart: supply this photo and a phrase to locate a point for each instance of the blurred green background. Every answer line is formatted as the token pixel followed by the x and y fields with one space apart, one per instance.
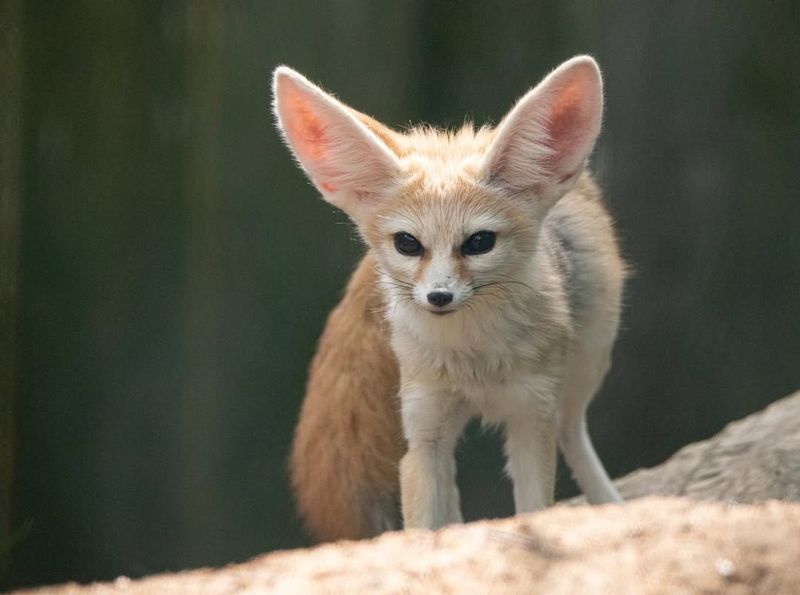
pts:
pixel 166 270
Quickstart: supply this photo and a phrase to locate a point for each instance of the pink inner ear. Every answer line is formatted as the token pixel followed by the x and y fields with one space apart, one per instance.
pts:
pixel 569 123
pixel 307 130
pixel 342 157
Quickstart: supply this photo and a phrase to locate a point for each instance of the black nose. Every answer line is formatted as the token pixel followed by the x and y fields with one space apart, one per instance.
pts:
pixel 440 298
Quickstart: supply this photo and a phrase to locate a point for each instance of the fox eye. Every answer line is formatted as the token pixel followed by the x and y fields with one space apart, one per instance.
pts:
pixel 407 244
pixel 478 243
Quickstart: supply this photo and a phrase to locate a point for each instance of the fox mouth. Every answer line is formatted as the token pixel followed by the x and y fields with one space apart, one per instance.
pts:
pixel 441 312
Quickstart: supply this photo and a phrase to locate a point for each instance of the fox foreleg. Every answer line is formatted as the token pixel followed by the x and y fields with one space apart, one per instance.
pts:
pixel 432 424
pixel 531 460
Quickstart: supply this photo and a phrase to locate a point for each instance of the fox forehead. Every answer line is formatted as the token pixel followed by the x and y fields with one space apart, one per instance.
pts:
pixel 440 218
pixel 443 195
pixel 440 162
pixel 445 216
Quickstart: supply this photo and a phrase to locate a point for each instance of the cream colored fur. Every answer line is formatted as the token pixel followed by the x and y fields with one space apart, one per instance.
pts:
pixel 527 338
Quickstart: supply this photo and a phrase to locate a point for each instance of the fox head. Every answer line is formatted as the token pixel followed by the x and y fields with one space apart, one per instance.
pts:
pixel 449 216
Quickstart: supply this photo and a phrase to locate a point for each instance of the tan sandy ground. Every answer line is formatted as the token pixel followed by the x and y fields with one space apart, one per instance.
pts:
pixel 653 545
pixel 650 545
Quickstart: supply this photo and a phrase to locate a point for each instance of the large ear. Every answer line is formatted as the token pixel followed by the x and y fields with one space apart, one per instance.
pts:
pixel 344 158
pixel 542 144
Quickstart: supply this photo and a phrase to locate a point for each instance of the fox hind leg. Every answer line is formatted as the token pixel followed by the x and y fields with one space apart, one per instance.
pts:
pixel 584 376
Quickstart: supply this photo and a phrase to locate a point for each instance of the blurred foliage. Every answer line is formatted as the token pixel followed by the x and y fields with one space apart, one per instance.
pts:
pixel 176 268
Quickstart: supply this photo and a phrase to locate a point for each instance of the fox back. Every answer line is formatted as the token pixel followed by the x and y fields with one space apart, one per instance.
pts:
pixel 491 287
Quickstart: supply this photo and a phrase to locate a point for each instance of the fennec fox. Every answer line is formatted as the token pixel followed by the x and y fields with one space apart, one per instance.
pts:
pixel 491 287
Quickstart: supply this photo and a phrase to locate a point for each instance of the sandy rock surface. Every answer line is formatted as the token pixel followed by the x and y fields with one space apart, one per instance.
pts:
pixel 652 545
pixel 726 534
pixel 754 459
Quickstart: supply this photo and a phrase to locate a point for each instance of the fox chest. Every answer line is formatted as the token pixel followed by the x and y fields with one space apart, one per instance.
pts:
pixel 508 379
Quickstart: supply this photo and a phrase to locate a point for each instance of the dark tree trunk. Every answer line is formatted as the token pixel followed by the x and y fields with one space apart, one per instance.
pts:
pixel 10 138
pixel 204 385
